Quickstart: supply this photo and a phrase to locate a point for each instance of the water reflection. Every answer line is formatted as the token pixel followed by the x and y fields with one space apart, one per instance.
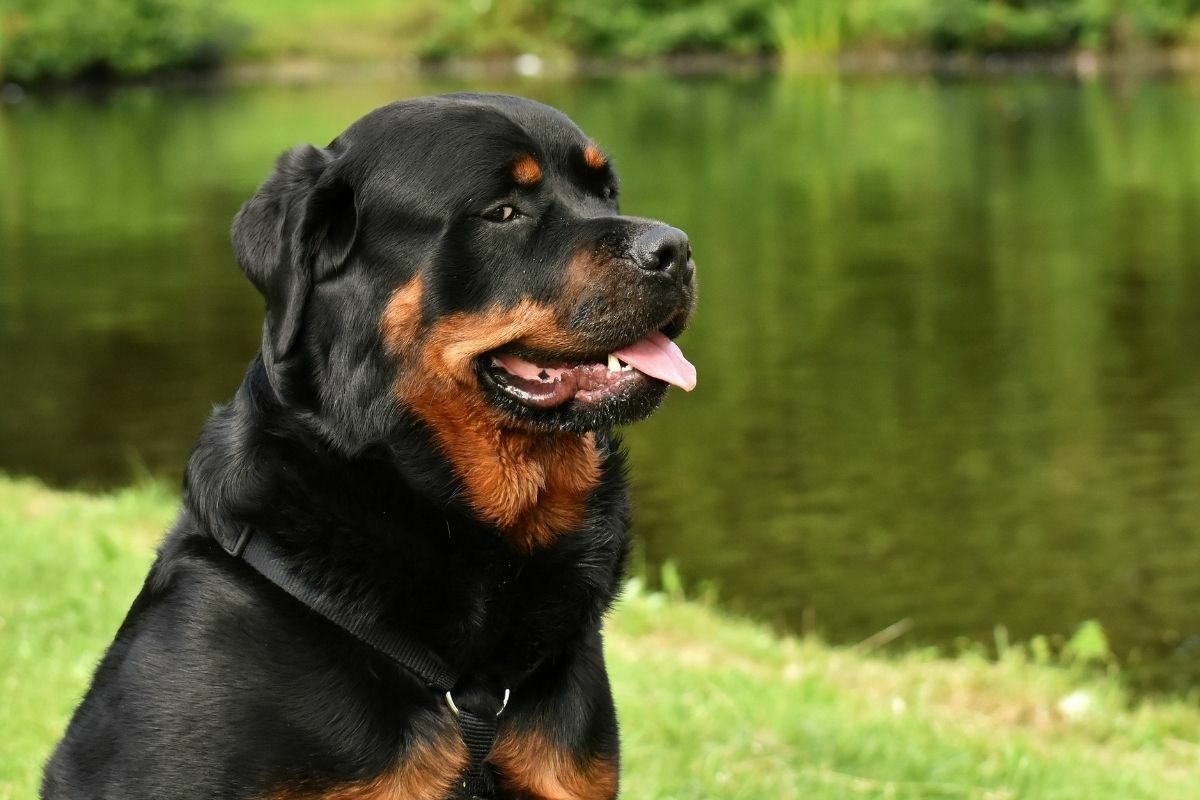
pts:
pixel 946 338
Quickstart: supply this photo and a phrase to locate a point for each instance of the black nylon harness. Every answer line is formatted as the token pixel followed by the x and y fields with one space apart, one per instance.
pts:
pixel 476 727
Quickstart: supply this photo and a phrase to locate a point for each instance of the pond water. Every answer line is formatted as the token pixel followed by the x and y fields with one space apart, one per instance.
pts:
pixel 948 339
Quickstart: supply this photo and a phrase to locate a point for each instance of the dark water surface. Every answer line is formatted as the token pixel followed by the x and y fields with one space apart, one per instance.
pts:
pixel 948 340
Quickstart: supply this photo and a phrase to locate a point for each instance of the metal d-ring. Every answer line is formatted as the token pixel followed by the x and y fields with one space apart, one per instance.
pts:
pixel 454 707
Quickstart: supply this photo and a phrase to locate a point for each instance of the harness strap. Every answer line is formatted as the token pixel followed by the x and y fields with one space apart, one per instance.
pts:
pixel 478 730
pixel 478 733
pixel 414 656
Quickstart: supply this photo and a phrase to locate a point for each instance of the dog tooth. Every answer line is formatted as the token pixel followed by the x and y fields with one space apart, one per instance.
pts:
pixel 613 364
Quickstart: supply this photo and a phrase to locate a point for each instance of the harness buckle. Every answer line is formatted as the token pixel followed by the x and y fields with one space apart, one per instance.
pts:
pixel 239 545
pixel 454 709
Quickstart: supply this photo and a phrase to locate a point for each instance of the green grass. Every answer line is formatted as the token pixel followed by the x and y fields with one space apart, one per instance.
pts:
pixel 711 707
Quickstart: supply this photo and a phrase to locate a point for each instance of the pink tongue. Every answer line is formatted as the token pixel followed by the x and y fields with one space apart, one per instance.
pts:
pixel 659 357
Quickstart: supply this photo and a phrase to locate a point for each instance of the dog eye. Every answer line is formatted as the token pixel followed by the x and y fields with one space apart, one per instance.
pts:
pixel 501 214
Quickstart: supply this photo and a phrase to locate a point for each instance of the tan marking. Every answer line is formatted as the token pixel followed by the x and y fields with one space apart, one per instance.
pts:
pixel 532 768
pixel 584 274
pixel 593 157
pixel 531 484
pixel 426 771
pixel 526 170
pixel 401 321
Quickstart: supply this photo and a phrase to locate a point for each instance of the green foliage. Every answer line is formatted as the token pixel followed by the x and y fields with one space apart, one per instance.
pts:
pixel 1089 645
pixel 605 28
pixel 1057 24
pixel 66 38
pixel 488 28
pixel 657 27
pixel 805 28
pixel 965 24
pixel 1088 648
pixel 672 581
pixel 799 29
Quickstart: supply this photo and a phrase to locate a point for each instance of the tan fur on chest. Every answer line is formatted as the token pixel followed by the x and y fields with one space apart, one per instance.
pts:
pixel 526 764
pixel 427 771
pixel 532 485
pixel 534 769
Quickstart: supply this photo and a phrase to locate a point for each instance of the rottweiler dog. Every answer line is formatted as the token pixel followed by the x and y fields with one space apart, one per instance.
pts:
pixel 457 316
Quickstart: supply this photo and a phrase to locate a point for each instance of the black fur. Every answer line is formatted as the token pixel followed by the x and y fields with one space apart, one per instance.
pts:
pixel 218 685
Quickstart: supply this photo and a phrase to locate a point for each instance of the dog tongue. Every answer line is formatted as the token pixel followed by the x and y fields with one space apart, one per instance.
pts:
pixel 659 357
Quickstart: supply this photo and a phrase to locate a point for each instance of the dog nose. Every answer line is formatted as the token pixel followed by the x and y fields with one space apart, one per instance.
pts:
pixel 661 248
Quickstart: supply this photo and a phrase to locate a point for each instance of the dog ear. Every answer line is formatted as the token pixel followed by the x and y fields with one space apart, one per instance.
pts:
pixel 298 228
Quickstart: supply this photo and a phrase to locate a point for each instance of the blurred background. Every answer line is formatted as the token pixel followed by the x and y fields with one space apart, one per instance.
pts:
pixel 949 334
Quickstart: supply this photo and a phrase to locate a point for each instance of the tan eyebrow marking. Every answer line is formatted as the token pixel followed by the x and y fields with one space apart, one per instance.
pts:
pixel 526 170
pixel 593 157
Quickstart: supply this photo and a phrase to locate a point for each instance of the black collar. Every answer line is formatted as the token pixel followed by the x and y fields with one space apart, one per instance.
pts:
pixel 477 728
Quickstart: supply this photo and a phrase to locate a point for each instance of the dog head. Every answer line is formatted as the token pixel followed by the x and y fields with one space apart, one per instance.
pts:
pixel 462 259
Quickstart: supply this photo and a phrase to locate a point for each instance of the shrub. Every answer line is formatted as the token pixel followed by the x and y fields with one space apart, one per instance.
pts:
pixel 646 28
pixel 611 28
pixel 68 38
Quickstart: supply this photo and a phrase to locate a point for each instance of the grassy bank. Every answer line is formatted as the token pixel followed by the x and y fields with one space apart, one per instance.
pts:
pixel 711 707
pixel 64 38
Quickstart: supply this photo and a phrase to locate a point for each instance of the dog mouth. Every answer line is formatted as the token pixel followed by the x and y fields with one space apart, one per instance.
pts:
pixel 545 381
